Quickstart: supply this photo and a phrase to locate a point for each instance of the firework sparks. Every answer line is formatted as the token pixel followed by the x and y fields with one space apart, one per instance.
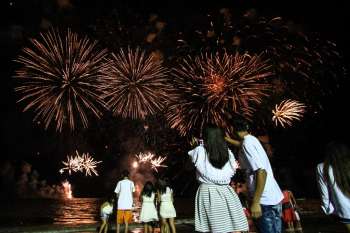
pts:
pixel 144 157
pixel 73 164
pixel 287 111
pixel 67 189
pixel 89 164
pixel 157 162
pixel 210 86
pixel 59 78
pixel 151 159
pixel 80 163
pixel 135 84
pixel 299 58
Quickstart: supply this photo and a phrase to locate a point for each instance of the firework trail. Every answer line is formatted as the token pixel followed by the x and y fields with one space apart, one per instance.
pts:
pixel 80 163
pixel 287 111
pixel 58 78
pixel 134 84
pixel 207 88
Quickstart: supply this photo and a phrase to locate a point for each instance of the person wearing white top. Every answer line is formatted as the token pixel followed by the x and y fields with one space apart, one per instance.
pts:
pixel 217 206
pixel 106 210
pixel 148 212
pixel 333 178
pixel 124 191
pixel 264 190
pixel 167 210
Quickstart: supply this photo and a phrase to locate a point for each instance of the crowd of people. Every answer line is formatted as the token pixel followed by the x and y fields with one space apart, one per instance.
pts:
pixel 229 199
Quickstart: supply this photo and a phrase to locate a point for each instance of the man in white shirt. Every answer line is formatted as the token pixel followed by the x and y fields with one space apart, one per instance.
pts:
pixel 266 195
pixel 124 191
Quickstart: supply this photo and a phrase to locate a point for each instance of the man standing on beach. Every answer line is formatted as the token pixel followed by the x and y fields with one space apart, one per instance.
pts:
pixel 266 195
pixel 124 191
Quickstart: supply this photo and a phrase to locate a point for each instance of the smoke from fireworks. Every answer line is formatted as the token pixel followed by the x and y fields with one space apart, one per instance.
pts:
pixel 134 84
pixel 151 159
pixel 80 163
pixel 59 78
pixel 210 87
pixel 287 111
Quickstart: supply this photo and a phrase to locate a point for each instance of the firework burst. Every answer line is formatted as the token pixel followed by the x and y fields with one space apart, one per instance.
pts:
pixel 80 163
pixel 135 84
pixel 287 111
pixel 144 157
pixel 209 87
pixel 157 162
pixel 300 59
pixel 151 159
pixel 59 78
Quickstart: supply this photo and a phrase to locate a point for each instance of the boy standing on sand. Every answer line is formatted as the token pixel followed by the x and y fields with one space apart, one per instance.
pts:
pixel 124 191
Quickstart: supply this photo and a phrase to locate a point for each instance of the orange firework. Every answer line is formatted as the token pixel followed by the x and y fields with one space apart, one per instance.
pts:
pixel 288 111
pixel 134 84
pixel 207 88
pixel 59 78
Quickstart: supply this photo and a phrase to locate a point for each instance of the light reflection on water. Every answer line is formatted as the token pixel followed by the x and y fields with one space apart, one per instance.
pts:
pixel 34 212
pixel 77 211
pixel 29 212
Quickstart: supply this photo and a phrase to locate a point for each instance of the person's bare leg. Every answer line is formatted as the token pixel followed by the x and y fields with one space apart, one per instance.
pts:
pixel 126 227
pixel 106 227
pixel 163 225
pixel 118 228
pixel 172 225
pixel 167 228
pixel 150 229
pixel 102 226
pixel 145 228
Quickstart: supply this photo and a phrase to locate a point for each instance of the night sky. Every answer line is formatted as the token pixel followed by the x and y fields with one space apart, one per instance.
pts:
pixel 110 138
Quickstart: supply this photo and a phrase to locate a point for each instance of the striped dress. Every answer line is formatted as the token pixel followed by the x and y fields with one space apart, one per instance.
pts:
pixel 217 208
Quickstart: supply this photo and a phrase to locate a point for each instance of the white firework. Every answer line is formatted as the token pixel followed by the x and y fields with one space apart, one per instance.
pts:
pixel 144 157
pixel 157 162
pixel 151 159
pixel 288 111
pixel 80 163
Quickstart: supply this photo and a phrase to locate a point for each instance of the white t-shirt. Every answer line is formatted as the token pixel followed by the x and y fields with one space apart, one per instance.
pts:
pixel 252 158
pixel 207 173
pixel 124 189
pixel 333 201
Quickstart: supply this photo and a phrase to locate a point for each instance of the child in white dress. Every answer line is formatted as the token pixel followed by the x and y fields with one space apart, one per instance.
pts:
pixel 166 210
pixel 148 210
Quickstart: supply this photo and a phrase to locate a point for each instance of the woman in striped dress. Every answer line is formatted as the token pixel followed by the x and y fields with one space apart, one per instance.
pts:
pixel 217 207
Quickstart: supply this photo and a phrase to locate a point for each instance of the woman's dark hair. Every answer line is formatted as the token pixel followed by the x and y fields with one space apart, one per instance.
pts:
pixel 216 146
pixel 148 189
pixel 162 183
pixel 338 157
